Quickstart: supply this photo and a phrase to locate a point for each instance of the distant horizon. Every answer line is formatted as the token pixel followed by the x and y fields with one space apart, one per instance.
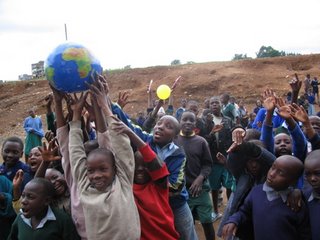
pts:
pixel 169 65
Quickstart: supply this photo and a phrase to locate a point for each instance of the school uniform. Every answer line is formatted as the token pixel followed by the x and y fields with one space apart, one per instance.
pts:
pixel 56 225
pixel 271 217
pixel 313 203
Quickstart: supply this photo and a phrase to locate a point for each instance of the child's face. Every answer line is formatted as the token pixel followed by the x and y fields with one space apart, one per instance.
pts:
pixel 35 159
pixel 33 200
pixel 282 145
pixel 165 130
pixel 57 180
pixel 187 123
pixel 279 176
pixel 11 153
pixel 312 172
pixel 32 113
pixel 100 171
pixel 258 103
pixel 215 106
pixel 315 122
pixel 193 108
pixel 253 167
pixel 141 175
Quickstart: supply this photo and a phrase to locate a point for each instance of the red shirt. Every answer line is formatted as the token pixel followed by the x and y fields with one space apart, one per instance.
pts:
pixel 156 216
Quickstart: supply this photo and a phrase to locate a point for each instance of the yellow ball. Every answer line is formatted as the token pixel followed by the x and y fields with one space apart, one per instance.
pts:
pixel 163 92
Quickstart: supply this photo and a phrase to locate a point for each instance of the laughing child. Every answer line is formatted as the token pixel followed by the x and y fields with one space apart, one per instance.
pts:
pixel 104 177
pixel 38 220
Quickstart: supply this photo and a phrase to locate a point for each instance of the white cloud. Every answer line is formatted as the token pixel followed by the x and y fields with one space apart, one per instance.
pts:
pixel 145 33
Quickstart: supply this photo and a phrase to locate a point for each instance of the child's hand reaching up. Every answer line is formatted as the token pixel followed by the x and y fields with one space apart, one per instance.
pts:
pixel 270 100
pixel 77 105
pixel 51 153
pixel 121 128
pixel 17 182
pixel 299 113
pixel 123 99
pixel 283 110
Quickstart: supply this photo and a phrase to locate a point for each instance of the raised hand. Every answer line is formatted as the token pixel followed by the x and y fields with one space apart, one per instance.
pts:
pixel 57 95
pixel 270 99
pixel 299 113
pixel 49 153
pixel 18 179
pixel 77 104
pixel 295 84
pixel 49 99
pixel 100 90
pixel 123 99
pixel 120 128
pixel 283 110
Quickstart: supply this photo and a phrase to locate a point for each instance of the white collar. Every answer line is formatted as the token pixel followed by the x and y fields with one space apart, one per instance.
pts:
pixel 49 217
pixel 273 194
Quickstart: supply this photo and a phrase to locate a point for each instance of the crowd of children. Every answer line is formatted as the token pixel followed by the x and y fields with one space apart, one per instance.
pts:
pixel 104 175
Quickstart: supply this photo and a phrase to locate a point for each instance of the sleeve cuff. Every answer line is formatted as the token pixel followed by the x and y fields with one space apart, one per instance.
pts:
pixel 147 153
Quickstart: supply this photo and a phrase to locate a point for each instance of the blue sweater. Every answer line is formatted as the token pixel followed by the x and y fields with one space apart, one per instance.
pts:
pixel 276 119
pixel 175 162
pixel 299 144
pixel 314 212
pixel 272 219
pixel 11 172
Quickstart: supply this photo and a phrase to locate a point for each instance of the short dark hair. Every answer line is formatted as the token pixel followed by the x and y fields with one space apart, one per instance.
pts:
pixel 14 139
pixel 105 152
pixel 192 102
pixel 48 188
pixel 315 154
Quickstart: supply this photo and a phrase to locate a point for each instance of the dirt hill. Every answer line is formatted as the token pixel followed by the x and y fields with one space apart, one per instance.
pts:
pixel 244 79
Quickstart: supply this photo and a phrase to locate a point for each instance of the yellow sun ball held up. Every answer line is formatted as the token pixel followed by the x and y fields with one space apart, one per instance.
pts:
pixel 163 92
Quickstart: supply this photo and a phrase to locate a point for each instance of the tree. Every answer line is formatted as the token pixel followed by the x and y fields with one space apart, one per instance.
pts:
pixel 176 62
pixel 127 67
pixel 269 52
pixel 240 57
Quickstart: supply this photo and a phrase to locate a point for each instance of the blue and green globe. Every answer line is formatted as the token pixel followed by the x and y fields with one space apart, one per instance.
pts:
pixel 69 66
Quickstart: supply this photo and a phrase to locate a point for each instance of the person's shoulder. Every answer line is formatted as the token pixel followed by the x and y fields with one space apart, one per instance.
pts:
pixel 60 214
pixel 200 139
pixel 257 189
pixel 25 167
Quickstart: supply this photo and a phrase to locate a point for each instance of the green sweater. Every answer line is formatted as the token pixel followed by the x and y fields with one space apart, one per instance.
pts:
pixel 59 229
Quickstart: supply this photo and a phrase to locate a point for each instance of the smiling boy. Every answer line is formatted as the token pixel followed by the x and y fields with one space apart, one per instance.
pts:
pixel 38 220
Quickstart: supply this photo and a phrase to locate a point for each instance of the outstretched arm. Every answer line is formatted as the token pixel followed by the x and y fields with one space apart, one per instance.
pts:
pixel 157 168
pixel 76 149
pixel 267 127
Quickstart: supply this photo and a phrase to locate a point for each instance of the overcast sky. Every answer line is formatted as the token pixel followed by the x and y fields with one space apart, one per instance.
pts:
pixel 144 33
